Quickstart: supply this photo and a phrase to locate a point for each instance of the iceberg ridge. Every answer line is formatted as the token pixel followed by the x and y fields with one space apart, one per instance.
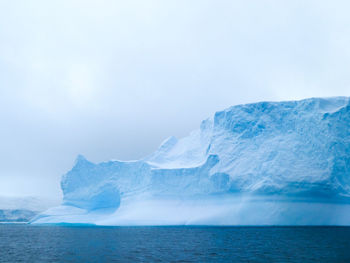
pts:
pixel 266 163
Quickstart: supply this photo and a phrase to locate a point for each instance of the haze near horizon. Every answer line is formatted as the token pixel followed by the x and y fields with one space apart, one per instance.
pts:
pixel 113 79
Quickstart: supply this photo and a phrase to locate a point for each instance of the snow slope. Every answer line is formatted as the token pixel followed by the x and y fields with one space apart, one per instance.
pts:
pixel 267 163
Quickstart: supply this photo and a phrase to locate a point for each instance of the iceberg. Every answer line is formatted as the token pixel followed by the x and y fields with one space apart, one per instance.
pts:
pixel 16 216
pixel 23 209
pixel 266 163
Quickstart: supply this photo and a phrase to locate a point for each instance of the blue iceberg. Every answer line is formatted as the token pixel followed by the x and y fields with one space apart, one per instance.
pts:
pixel 266 163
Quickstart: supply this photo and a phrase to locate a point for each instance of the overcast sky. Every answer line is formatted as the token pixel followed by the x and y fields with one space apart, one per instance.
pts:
pixel 113 79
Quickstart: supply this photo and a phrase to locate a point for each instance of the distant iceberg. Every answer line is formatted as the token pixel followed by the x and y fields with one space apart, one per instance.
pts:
pixel 266 163
pixel 23 209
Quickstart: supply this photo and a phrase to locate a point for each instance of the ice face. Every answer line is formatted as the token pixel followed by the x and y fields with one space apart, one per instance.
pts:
pixel 261 163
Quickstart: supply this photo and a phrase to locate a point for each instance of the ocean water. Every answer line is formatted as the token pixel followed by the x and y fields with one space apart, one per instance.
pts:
pixel 27 243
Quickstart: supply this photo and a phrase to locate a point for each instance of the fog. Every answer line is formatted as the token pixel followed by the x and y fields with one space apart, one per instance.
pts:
pixel 113 79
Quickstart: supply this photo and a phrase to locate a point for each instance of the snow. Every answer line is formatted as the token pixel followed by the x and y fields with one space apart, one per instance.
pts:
pixel 32 203
pixel 266 163
pixel 23 209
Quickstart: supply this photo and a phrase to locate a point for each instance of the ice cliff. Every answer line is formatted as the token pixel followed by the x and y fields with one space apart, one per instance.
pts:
pixel 267 163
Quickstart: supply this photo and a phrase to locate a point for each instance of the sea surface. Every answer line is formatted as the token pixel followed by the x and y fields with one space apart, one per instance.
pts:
pixel 28 243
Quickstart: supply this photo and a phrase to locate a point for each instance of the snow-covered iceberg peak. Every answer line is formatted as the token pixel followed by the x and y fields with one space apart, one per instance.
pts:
pixel 259 163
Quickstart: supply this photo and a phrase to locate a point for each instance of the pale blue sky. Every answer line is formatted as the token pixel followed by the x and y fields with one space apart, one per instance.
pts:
pixel 112 79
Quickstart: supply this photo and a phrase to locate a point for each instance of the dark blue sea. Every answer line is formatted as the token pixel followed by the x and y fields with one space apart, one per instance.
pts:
pixel 27 243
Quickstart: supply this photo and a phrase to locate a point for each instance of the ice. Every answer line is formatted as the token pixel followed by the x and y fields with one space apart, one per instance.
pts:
pixel 266 163
pixel 23 209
